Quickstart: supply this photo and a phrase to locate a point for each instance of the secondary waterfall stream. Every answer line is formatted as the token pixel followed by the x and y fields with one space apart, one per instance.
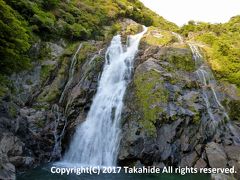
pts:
pixel 215 109
pixel 70 73
pixel 96 140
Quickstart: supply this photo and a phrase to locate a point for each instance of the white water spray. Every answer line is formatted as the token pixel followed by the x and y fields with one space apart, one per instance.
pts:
pixel 96 140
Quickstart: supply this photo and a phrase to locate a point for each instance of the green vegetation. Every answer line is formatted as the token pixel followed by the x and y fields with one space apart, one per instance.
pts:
pixel 14 40
pixel 12 111
pixel 82 19
pixel 54 90
pixel 45 72
pixel 221 47
pixel 159 37
pixel 86 49
pixel 150 92
pixel 23 22
pixel 234 110
pixel 180 59
pixel 133 29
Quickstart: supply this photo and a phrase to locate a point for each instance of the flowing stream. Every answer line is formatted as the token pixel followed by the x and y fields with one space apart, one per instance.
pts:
pixel 96 140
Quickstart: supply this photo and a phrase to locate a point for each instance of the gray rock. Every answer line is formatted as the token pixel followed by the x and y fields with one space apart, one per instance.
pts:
pixel 132 143
pixel 159 165
pixel 198 149
pixel 188 160
pixel 200 164
pixel 184 140
pixel 11 145
pixel 20 161
pixel 233 152
pixel 7 171
pixel 222 177
pixel 166 151
pixel 138 164
pixel 56 50
pixel 216 155
pixel 150 64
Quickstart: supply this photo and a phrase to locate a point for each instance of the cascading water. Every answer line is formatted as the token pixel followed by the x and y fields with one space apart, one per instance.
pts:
pixel 70 73
pixel 55 109
pixel 97 139
pixel 60 121
pixel 215 109
pixel 85 69
pixel 179 37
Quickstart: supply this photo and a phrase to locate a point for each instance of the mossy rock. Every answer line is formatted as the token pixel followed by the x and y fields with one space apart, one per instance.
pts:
pixel 158 37
pixel 69 50
pixel 6 86
pixel 180 59
pixel 44 51
pixel 12 110
pixel 53 91
pixel 85 52
pixel 234 110
pixel 133 29
pixel 46 72
pixel 150 92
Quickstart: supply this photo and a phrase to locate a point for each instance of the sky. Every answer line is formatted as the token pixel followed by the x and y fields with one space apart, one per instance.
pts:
pixel 181 11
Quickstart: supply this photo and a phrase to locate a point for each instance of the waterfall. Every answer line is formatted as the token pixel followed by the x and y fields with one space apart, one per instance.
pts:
pixel 215 109
pixel 96 140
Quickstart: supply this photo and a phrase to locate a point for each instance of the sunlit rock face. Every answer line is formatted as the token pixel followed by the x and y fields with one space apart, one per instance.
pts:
pixel 173 114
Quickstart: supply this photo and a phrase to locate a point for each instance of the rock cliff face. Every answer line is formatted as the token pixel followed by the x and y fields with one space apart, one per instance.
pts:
pixel 47 103
pixel 165 118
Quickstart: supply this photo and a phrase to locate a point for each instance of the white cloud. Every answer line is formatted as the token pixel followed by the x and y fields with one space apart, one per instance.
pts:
pixel 181 11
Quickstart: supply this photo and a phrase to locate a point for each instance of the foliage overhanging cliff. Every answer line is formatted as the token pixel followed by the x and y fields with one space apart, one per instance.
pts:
pixel 23 21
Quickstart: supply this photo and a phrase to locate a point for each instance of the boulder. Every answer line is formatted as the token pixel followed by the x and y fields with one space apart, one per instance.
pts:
pixel 216 155
pixel 233 152
pixel 200 163
pixel 20 161
pixel 188 160
pixel 7 171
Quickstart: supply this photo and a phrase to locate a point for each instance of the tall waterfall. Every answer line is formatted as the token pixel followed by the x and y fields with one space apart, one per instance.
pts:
pixel 96 140
pixel 215 109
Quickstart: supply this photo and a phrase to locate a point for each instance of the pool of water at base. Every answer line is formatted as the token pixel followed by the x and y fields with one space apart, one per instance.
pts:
pixel 44 173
